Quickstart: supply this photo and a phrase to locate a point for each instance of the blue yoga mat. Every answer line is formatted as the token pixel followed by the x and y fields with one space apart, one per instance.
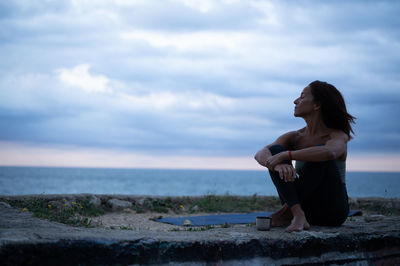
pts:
pixel 218 219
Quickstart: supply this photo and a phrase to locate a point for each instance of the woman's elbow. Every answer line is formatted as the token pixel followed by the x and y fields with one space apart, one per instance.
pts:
pixel 332 155
pixel 257 156
pixel 260 156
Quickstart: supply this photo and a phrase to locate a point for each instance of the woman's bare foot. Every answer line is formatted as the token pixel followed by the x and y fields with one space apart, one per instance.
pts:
pixel 282 217
pixel 299 222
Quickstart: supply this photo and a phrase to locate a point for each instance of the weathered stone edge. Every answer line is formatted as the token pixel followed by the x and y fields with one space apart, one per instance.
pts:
pixel 150 251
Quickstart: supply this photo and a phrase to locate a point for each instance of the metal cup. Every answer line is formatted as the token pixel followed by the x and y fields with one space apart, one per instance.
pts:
pixel 263 223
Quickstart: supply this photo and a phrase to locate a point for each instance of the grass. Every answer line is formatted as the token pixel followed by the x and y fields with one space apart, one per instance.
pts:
pixel 208 203
pixel 229 203
pixel 125 228
pixel 155 205
pixel 194 229
pixel 72 213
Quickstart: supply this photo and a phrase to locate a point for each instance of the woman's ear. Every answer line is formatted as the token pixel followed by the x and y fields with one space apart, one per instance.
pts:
pixel 317 106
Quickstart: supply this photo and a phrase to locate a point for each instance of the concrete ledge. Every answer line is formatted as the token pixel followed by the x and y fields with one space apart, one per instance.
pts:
pixel 151 251
pixel 25 240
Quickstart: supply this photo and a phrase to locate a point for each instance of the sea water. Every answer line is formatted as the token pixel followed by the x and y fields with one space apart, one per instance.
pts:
pixel 168 182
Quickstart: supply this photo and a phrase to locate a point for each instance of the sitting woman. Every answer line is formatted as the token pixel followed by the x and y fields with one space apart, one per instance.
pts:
pixel 314 192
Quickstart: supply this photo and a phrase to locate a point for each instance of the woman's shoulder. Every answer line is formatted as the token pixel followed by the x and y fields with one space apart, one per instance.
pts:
pixel 293 134
pixel 287 139
pixel 338 134
pixel 289 134
pixel 300 131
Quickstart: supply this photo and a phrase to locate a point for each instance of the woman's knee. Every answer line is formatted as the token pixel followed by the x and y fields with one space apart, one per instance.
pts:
pixel 325 168
pixel 275 149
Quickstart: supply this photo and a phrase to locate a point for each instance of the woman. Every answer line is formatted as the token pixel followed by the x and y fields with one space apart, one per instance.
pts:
pixel 314 192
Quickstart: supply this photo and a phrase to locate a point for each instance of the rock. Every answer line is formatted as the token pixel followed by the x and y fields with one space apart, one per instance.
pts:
pixel 187 222
pixel 94 201
pixel 353 202
pixel 374 218
pixel 117 205
pixel 5 205
pixel 141 201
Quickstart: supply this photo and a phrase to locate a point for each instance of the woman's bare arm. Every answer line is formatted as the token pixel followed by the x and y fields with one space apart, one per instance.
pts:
pixel 333 149
pixel 262 155
pixel 286 171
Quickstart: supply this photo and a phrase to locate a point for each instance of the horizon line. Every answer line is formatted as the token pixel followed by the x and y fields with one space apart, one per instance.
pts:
pixel 173 168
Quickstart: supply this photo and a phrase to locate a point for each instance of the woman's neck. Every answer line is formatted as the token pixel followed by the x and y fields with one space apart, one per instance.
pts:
pixel 315 125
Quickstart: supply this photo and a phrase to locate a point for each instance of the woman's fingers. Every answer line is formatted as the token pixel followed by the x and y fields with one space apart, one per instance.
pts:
pixel 286 172
pixel 292 174
pixel 289 173
pixel 281 174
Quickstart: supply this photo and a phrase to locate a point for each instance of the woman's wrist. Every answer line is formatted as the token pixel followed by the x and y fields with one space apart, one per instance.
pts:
pixel 289 154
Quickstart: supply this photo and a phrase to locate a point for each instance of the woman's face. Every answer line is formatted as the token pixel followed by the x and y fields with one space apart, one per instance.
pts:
pixel 305 103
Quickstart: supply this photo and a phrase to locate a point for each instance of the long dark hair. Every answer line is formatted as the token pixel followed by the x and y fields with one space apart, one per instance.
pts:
pixel 333 107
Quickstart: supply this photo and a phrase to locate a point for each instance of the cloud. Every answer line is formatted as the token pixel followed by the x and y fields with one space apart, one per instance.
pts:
pixel 79 77
pixel 192 77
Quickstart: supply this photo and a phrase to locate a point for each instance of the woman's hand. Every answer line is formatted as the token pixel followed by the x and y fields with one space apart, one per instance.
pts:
pixel 286 172
pixel 274 160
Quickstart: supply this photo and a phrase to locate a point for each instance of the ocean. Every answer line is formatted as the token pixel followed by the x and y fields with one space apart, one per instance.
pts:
pixel 168 182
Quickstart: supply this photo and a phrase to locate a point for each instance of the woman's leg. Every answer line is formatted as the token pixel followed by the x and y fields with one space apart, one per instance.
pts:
pixel 319 192
pixel 322 194
pixel 282 217
pixel 286 190
pixel 291 211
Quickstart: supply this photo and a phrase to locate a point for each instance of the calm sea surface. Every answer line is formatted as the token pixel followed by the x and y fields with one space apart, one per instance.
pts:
pixel 37 180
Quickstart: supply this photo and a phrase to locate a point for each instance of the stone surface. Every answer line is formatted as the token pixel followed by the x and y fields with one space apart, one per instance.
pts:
pixel 373 218
pixel 28 240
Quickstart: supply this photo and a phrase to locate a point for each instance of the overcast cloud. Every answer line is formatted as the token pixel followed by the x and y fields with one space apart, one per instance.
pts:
pixel 186 77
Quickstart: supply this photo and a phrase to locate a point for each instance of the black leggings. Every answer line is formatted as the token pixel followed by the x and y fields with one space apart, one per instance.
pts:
pixel 319 190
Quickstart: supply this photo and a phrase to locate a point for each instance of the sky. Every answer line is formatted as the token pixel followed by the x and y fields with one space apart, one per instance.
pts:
pixel 190 83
